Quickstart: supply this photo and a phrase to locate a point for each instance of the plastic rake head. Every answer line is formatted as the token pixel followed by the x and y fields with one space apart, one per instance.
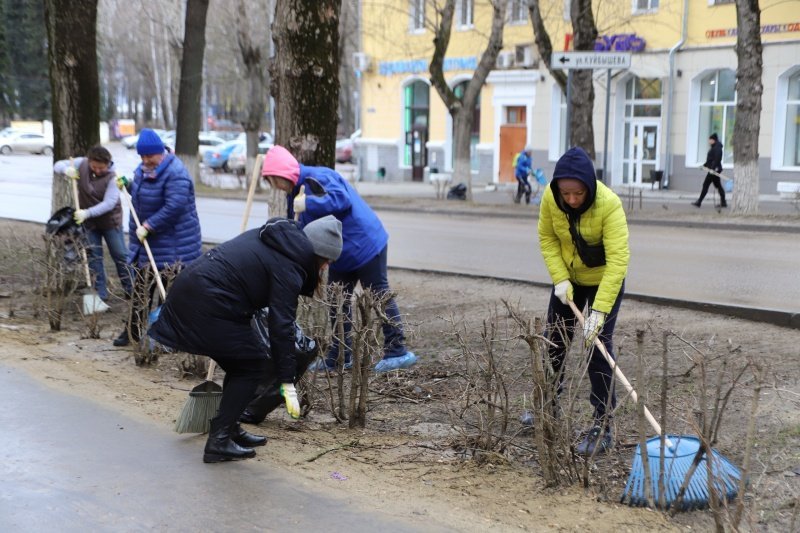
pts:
pixel 678 460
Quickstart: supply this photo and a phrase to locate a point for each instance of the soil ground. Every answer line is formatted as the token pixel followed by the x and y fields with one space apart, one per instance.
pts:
pixel 414 456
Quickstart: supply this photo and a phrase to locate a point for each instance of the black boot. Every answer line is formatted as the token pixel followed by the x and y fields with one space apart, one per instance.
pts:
pixel 696 204
pixel 220 447
pixel 123 339
pixel 246 439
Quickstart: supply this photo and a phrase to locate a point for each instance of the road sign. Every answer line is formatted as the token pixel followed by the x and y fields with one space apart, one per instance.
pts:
pixel 590 60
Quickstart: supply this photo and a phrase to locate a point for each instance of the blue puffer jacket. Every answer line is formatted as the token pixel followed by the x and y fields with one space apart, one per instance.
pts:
pixel 166 203
pixel 327 193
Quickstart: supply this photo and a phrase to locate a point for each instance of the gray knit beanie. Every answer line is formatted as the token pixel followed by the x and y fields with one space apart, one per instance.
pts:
pixel 325 235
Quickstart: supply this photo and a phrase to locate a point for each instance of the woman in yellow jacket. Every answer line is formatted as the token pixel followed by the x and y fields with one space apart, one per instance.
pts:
pixel 583 235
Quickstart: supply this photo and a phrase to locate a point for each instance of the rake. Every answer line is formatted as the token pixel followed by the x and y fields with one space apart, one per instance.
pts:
pixel 687 461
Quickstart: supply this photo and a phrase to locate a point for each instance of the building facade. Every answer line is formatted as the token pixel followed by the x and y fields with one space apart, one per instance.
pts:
pixel 680 88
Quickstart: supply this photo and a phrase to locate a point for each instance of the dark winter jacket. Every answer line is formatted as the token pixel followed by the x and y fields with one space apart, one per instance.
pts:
pixel 211 303
pixel 714 157
pixel 328 193
pixel 166 202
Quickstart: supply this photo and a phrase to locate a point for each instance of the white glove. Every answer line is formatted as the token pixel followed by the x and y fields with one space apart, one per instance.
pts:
pixel 292 404
pixel 141 233
pixel 299 203
pixel 592 326
pixel 80 216
pixel 563 291
pixel 72 173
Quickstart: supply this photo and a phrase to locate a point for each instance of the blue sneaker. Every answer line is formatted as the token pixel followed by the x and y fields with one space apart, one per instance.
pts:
pixel 593 443
pixel 323 365
pixel 388 364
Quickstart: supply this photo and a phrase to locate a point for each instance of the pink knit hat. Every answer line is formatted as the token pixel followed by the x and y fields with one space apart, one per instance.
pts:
pixel 279 162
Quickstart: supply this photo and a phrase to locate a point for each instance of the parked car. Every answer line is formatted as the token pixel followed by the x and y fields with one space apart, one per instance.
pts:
pixel 34 143
pixel 237 159
pixel 344 148
pixel 207 142
pixel 10 132
pixel 130 141
pixel 216 158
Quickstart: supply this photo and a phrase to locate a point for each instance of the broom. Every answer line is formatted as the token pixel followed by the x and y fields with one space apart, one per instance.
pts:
pixel 204 400
pixel 687 461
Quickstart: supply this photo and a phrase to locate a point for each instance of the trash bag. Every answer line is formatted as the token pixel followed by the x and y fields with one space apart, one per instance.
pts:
pixel 62 225
pixel 268 396
pixel 457 192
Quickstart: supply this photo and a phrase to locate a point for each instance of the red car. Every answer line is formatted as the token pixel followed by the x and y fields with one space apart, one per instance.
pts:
pixel 344 150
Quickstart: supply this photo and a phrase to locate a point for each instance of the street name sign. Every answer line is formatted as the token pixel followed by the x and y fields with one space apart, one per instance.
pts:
pixel 590 60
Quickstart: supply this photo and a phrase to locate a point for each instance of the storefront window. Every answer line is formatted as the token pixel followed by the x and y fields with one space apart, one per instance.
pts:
pixel 791 146
pixel 475 133
pixel 415 116
pixel 717 112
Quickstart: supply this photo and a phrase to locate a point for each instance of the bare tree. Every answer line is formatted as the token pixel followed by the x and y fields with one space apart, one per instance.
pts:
pixel 462 110
pixel 749 89
pixel 194 44
pixel 253 47
pixel 305 78
pixel 72 53
pixel 584 30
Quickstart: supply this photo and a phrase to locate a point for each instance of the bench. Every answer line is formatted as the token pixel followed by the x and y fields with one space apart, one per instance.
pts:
pixel 440 181
pixel 789 190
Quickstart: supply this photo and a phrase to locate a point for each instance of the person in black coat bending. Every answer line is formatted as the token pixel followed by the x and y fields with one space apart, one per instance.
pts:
pixel 714 162
pixel 210 305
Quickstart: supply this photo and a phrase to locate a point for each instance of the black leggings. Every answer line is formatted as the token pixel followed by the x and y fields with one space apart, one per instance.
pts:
pixel 242 377
pixel 711 178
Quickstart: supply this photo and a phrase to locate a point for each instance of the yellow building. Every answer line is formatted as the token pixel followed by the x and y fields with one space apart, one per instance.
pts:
pixel 679 89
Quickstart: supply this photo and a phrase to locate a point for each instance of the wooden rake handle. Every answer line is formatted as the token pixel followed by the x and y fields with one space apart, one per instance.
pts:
pixel 146 246
pixel 83 248
pixel 617 372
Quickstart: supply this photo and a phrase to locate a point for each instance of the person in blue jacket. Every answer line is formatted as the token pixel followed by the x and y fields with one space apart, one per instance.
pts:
pixel 521 171
pixel 162 194
pixel 315 192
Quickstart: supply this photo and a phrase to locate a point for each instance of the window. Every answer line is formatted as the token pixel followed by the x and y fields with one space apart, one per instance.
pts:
pixel 791 140
pixel 464 9
pixel 475 133
pixel 415 116
pixel 417 15
pixel 643 98
pixel 645 6
pixel 515 115
pixel 719 2
pixel 517 11
pixel 717 111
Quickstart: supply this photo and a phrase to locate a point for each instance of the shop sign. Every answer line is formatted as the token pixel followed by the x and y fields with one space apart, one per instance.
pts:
pixel 415 66
pixel 765 29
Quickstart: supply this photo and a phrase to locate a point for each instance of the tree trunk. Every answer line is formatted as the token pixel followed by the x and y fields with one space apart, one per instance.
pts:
pixel 582 96
pixel 194 45
pixel 462 110
pixel 72 53
pixel 305 78
pixel 253 53
pixel 544 44
pixel 748 106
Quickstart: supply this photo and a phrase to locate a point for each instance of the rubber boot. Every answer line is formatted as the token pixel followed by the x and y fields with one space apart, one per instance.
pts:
pixel 221 447
pixel 246 439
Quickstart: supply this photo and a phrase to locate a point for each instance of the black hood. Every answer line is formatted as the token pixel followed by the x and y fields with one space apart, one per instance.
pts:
pixel 286 237
pixel 575 164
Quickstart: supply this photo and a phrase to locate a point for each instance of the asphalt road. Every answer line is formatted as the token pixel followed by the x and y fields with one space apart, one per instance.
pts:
pixel 717 266
pixel 70 465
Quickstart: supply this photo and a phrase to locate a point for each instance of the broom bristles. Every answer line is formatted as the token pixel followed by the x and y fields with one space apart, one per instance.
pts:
pixel 197 412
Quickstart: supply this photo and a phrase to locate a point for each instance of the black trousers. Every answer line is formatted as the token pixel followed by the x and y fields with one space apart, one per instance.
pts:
pixel 561 324
pixel 242 377
pixel 711 178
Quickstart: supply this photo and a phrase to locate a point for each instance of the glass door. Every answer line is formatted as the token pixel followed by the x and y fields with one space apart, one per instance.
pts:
pixel 641 157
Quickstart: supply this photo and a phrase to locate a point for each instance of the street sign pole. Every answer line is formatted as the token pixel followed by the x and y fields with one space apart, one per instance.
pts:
pixel 570 61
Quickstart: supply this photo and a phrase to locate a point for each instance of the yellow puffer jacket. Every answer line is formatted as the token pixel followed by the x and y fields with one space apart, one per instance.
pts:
pixel 603 222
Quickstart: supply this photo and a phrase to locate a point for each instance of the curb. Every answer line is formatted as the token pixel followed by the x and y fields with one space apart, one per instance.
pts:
pixel 785 319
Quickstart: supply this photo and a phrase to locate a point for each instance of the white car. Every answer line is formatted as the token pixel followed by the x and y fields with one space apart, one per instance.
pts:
pixel 34 143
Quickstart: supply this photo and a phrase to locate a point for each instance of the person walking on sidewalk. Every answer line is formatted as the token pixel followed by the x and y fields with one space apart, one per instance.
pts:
pixel 210 306
pixel 100 213
pixel 583 235
pixel 162 194
pixel 522 171
pixel 315 192
pixel 714 162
